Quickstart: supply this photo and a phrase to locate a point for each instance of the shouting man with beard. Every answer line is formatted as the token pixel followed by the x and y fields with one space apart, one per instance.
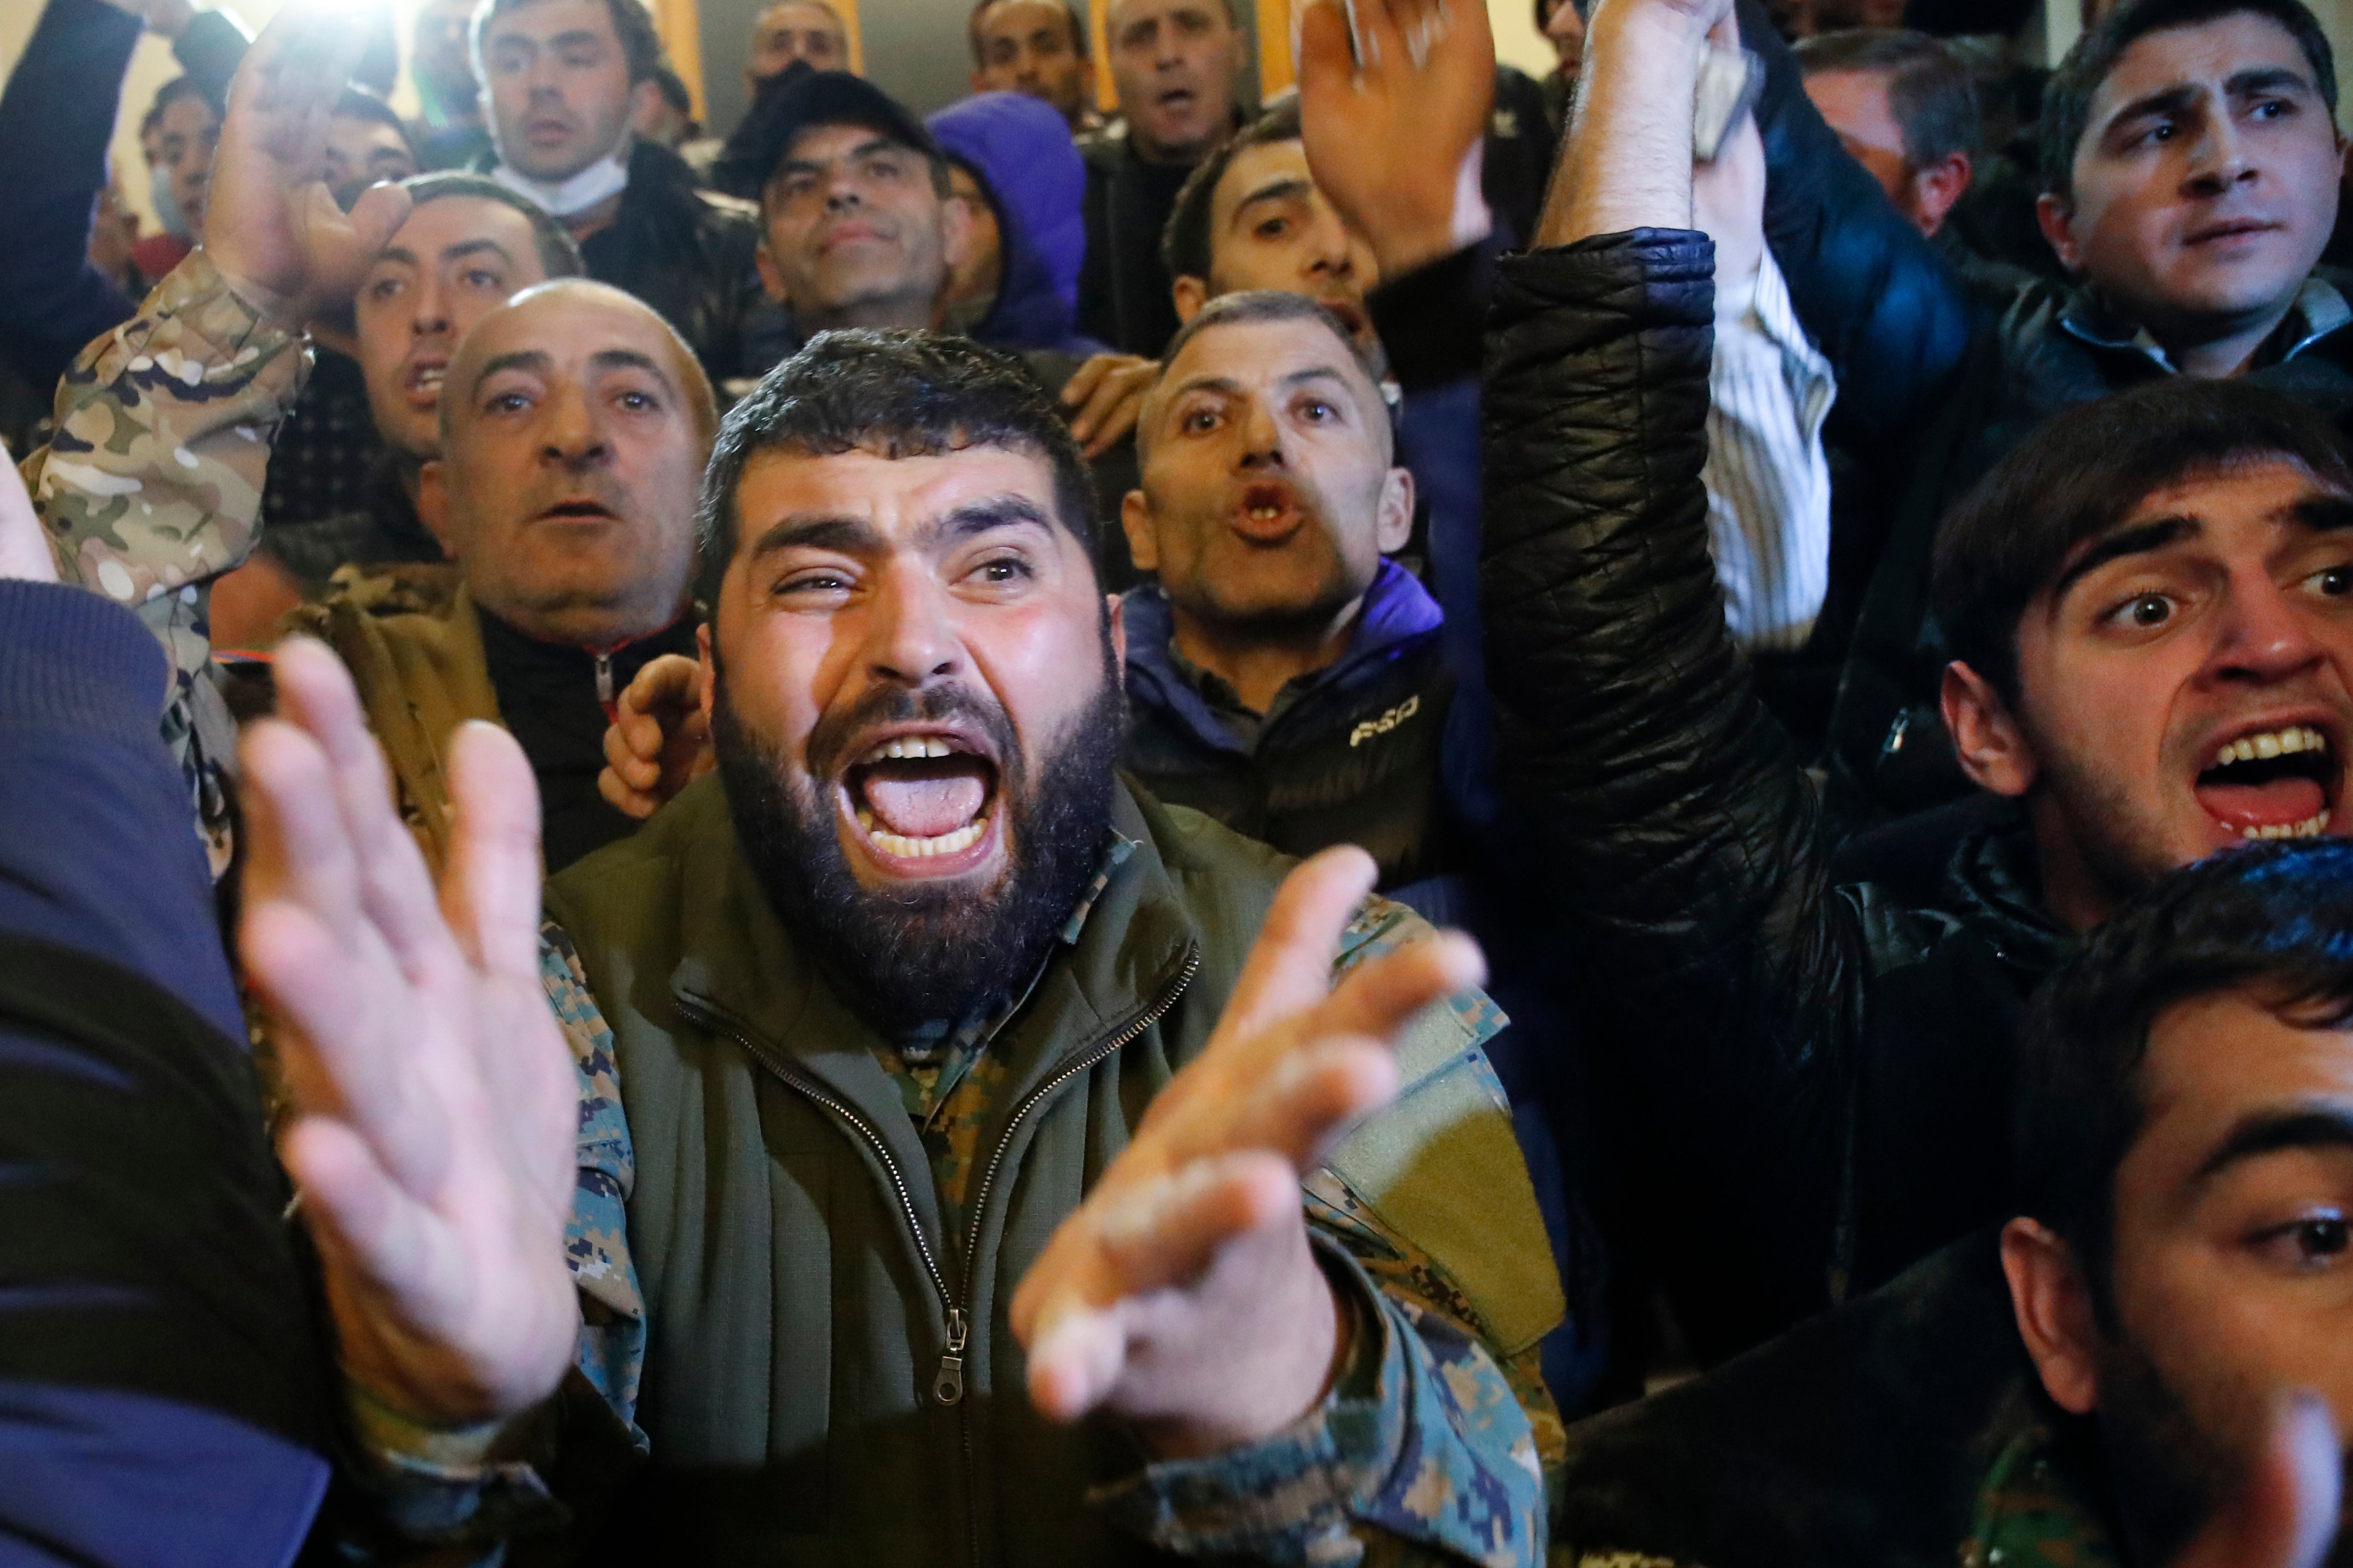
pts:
pixel 946 1172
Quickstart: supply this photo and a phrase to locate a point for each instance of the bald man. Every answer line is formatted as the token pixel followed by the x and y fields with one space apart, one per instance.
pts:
pixel 575 424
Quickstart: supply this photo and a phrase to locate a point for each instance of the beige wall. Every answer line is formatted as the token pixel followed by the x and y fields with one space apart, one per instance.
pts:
pixel 1517 42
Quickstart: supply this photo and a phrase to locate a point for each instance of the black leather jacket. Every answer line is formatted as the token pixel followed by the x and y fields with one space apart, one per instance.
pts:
pixel 1814 1075
pixel 685 252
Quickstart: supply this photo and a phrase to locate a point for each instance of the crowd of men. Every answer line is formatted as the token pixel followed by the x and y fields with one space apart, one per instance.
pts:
pixel 1456 819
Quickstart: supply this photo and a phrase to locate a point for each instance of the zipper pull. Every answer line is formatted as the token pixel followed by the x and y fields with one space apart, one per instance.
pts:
pixel 948 1387
pixel 604 678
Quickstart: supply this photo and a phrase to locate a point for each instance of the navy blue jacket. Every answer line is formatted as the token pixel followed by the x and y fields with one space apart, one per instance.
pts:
pixel 57 116
pixel 159 1380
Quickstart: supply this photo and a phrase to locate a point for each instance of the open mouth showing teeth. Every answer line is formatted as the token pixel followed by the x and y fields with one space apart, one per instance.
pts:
pixel 2276 785
pixel 1267 511
pixel 923 797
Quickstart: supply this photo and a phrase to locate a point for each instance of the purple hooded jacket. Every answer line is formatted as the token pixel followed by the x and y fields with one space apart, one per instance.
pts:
pixel 1021 150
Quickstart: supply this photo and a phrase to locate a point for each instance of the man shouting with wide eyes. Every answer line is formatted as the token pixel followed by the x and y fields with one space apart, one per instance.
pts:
pixel 961 1156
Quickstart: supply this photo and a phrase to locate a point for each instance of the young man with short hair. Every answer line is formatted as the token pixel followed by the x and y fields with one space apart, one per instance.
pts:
pixel 2112 1378
pixel 561 79
pixel 914 997
pixel 1822 1056
pixel 1040 48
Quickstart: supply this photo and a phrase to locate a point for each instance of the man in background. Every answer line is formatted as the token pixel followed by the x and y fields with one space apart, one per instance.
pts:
pixel 809 32
pixel 1176 64
pixel 1905 107
pixel 1040 48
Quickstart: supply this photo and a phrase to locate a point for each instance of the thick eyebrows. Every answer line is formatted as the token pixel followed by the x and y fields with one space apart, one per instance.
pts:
pixel 2167 101
pixel 464 249
pixel 2139 539
pixel 1290 188
pixel 630 359
pixel 2257 79
pixel 842 534
pixel 977 517
pixel 2323 513
pixel 2311 1127
pixel 529 360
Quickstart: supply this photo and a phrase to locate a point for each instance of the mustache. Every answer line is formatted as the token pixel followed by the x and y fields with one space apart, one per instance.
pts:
pixel 833 742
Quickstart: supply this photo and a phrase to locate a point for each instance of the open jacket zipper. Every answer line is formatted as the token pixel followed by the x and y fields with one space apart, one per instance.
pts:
pixel 947 1385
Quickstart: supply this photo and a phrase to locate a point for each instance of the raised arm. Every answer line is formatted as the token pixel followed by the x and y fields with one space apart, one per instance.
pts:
pixel 56 115
pixel 153 485
pixel 1671 813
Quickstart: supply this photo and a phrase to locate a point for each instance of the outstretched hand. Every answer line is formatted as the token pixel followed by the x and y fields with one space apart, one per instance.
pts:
pixel 435 1097
pixel 658 742
pixel 1395 129
pixel 1183 1295
pixel 271 226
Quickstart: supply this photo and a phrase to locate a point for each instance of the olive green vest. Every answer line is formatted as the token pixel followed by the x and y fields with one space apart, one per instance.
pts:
pixel 804 1391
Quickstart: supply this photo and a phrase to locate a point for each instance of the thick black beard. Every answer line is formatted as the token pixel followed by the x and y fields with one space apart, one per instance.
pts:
pixel 910 956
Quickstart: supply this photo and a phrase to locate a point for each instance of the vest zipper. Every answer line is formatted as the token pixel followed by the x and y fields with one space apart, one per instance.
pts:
pixel 604 679
pixel 947 1384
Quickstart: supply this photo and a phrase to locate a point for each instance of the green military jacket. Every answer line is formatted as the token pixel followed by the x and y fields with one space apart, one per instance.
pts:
pixel 827 1372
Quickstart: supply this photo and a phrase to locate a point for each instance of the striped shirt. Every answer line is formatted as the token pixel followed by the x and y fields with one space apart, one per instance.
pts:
pixel 1769 484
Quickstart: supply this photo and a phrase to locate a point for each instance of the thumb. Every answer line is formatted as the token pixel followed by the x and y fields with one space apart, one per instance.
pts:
pixel 377 216
pixel 2284 1515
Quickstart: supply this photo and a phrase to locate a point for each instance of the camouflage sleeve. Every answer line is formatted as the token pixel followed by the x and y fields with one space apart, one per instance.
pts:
pixel 1420 1454
pixel 1434 1446
pixel 483 1484
pixel 152 486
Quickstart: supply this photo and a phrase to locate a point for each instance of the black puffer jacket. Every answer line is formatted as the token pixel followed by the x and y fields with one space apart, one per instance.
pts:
pixel 1941 373
pixel 1815 1077
pixel 686 253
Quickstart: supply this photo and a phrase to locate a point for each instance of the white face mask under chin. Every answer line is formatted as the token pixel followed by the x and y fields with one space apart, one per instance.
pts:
pixel 605 178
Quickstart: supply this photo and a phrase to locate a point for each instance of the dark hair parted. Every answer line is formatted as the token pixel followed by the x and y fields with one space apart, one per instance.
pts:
pixel 633 25
pixel 559 253
pixel 1186 245
pixel 1929 90
pixel 2067 100
pixel 2275 921
pixel 2079 475
pixel 898 394
pixel 1077 22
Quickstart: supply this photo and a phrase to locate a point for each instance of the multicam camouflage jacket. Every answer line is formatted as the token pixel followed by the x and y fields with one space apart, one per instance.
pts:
pixel 152 487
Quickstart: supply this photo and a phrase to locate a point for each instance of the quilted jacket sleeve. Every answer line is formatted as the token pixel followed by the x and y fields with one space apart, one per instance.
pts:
pixel 1670 812
pixel 1891 315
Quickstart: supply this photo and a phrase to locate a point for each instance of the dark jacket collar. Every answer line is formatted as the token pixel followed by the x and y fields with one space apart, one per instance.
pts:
pixel 2320 311
pixel 1995 888
pixel 1398 616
